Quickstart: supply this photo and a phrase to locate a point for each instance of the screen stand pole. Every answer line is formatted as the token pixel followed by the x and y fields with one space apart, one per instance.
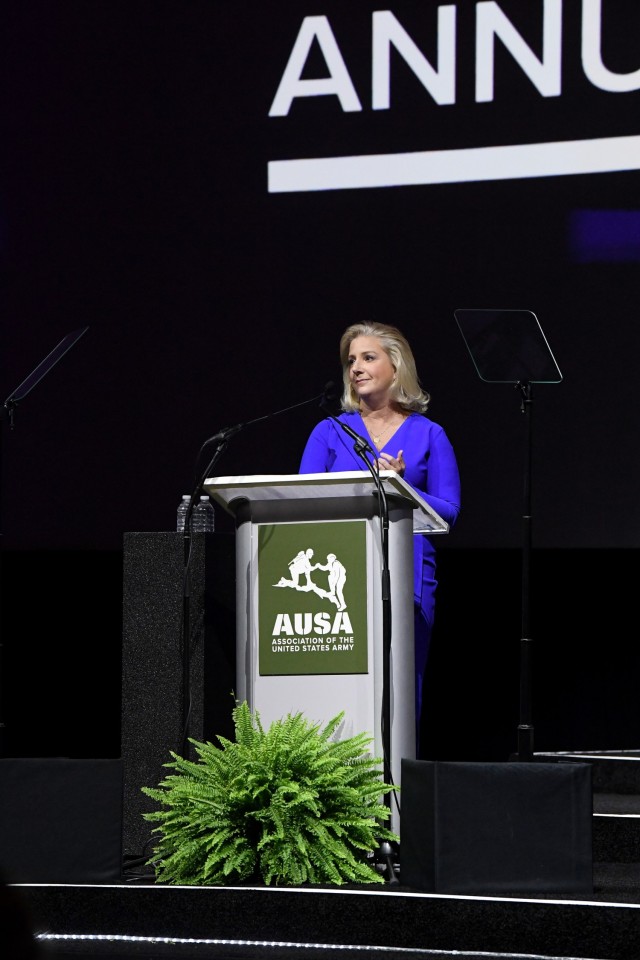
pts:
pixel 525 726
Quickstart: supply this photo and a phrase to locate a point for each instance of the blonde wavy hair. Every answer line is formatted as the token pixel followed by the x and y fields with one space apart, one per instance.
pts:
pixel 406 390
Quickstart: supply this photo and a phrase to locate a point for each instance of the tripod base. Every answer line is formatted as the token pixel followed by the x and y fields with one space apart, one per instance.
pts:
pixel 387 861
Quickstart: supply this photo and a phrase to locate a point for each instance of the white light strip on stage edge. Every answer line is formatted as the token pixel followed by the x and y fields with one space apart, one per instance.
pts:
pixel 555 159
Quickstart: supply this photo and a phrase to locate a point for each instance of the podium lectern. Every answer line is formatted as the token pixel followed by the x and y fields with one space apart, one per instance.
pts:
pixel 309 566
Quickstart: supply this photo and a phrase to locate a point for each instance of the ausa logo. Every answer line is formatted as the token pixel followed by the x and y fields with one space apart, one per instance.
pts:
pixel 313 598
pixel 301 570
pixel 302 565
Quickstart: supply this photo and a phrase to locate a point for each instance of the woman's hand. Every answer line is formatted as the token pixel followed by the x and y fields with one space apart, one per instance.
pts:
pixel 387 462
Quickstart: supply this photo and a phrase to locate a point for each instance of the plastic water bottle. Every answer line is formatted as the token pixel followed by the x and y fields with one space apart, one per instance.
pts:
pixel 202 519
pixel 183 507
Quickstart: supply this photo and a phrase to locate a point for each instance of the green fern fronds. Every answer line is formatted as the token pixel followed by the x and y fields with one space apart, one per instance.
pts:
pixel 288 805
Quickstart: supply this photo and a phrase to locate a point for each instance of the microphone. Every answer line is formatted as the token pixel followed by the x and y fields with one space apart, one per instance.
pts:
pixel 222 437
pixel 361 443
pixel 227 432
pixel 330 393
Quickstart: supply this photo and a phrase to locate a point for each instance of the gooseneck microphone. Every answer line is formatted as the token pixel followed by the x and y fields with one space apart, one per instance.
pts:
pixel 362 447
pixel 361 444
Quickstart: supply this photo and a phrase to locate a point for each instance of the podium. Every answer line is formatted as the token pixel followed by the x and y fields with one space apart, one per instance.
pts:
pixel 309 619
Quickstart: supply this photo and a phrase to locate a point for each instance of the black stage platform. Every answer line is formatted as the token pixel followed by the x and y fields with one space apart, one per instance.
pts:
pixel 134 920
pixel 109 909
pixel 136 917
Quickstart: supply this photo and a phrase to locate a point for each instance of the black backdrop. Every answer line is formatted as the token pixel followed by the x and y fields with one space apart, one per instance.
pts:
pixel 135 201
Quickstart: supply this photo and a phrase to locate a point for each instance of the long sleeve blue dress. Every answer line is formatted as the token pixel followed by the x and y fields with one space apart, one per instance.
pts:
pixel 431 468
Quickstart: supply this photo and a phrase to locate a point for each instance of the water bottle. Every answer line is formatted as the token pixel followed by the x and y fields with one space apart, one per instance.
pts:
pixel 183 507
pixel 202 519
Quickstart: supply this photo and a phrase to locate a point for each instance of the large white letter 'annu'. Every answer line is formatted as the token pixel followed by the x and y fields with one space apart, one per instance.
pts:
pixel 338 83
pixel 492 24
pixel 477 161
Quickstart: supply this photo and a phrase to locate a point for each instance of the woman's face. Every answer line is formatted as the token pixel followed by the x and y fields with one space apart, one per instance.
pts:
pixel 370 370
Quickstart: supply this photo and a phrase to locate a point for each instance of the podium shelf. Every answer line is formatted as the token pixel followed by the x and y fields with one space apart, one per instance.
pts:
pixel 317 486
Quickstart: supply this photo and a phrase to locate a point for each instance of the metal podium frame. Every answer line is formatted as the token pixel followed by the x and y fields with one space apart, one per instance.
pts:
pixel 333 498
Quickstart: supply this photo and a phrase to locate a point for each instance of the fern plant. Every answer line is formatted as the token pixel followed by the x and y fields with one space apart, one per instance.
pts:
pixel 289 805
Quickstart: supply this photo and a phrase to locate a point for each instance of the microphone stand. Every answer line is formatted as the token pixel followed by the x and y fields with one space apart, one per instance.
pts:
pixel 221 439
pixel 186 603
pixel 9 409
pixel 362 448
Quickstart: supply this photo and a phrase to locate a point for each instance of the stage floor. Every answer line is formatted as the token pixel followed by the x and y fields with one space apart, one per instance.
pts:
pixel 250 923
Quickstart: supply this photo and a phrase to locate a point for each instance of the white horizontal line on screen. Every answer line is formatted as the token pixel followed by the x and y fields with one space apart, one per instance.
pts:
pixel 553 159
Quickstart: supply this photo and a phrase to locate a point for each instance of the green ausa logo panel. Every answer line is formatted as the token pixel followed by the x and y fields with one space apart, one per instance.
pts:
pixel 312 595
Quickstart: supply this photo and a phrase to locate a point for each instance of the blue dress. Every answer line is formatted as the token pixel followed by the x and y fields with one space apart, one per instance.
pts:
pixel 432 470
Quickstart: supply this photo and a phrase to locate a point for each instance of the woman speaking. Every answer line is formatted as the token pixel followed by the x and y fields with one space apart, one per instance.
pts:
pixel 384 403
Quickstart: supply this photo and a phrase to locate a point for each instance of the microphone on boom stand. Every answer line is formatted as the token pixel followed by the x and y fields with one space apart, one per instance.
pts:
pixel 220 439
pixel 363 448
